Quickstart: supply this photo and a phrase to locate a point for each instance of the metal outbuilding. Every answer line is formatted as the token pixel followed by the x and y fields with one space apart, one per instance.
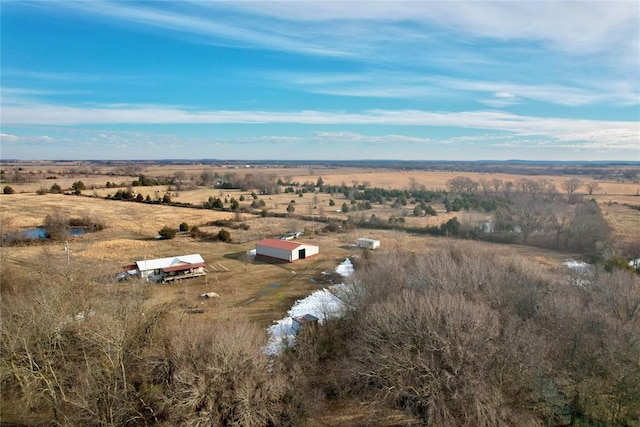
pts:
pixel 285 250
pixel 366 243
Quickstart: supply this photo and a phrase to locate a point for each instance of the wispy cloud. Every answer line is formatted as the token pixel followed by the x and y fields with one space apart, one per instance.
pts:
pixel 497 94
pixel 366 28
pixel 209 23
pixel 18 139
pixel 50 114
pixel 569 26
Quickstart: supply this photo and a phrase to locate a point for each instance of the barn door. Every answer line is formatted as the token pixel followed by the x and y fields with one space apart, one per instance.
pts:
pixel 302 254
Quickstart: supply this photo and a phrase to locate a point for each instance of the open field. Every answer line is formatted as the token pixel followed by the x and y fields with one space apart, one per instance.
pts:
pixel 611 194
pixel 246 286
pixel 253 290
pixel 42 174
pixel 131 227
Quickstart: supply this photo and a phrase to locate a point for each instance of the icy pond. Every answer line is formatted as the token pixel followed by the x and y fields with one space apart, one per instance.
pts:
pixel 41 233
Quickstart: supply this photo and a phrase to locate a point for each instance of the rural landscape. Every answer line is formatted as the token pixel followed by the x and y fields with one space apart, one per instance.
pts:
pixel 338 213
pixel 501 293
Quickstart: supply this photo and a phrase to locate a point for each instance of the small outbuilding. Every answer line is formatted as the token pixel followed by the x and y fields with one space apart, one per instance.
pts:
pixel 365 243
pixel 285 250
pixel 300 321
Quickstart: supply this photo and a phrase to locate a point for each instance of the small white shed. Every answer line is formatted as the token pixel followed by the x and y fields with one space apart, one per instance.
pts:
pixel 285 250
pixel 365 243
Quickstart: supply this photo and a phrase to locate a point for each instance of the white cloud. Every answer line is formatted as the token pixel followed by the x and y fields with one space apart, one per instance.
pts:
pixel 568 25
pixel 497 94
pixel 354 137
pixel 17 139
pixel 363 28
pixel 49 114
pixel 500 100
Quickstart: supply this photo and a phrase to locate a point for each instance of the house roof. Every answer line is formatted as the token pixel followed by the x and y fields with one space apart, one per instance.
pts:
pixel 306 318
pixel 177 263
pixel 279 244
pixel 181 267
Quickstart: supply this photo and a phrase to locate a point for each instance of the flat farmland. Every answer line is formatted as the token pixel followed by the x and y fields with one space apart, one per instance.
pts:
pixel 251 290
pixel 612 194
pixel 259 290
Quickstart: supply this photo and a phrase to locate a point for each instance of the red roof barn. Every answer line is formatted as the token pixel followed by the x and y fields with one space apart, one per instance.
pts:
pixel 285 250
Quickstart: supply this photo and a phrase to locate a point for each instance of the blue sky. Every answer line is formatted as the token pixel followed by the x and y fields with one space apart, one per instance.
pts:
pixel 301 80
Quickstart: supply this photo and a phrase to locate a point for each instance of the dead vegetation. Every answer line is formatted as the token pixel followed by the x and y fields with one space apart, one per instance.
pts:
pixel 438 333
pixel 476 336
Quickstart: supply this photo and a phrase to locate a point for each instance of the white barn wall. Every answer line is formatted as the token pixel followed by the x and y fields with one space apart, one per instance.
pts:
pixel 270 252
pixel 310 250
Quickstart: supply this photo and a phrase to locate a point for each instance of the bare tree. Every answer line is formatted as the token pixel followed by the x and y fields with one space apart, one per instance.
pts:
pixel 221 377
pixel 70 348
pixel 462 184
pixel 593 187
pixel 526 214
pixel 528 186
pixel 422 351
pixel 571 185
pixel 588 229
pixel 414 186
pixel 496 184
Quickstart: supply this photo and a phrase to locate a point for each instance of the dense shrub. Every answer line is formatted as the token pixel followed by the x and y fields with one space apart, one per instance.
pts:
pixel 8 190
pixel 78 187
pixel 195 232
pixel 56 225
pixel 183 226
pixel 167 232
pixel 55 189
pixel 224 235
pixel 124 194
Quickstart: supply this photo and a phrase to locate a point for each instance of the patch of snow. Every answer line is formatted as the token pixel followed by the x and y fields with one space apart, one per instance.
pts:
pixel 577 265
pixel 323 304
pixel 252 252
pixel 210 295
pixel 345 269
pixel 635 263
pixel 581 272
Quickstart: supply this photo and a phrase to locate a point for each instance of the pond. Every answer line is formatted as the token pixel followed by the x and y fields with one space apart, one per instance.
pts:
pixel 41 233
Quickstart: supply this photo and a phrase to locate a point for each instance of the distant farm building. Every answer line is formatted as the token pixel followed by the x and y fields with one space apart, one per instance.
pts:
pixel 292 235
pixel 285 250
pixel 365 243
pixel 166 270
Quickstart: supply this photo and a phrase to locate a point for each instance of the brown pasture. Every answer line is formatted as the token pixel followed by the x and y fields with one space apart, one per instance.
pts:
pixel 252 290
pixel 244 285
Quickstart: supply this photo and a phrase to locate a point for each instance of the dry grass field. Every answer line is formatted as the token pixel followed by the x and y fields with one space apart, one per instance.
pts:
pixel 250 289
pixel 131 227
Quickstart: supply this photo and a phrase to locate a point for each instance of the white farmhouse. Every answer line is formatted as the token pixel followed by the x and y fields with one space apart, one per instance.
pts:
pixel 168 269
